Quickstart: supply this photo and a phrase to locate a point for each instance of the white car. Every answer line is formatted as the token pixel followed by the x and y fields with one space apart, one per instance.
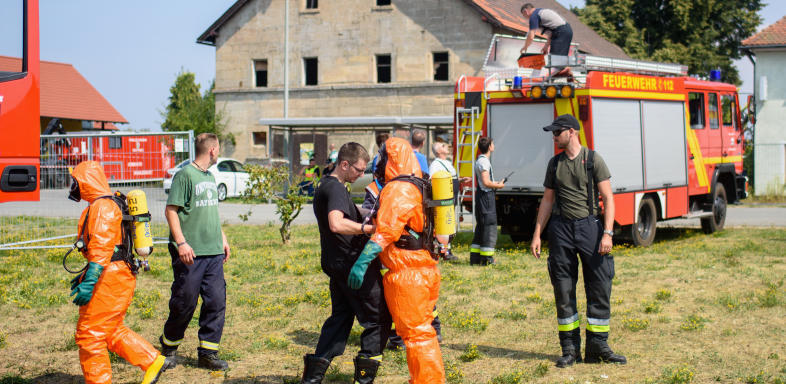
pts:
pixel 231 178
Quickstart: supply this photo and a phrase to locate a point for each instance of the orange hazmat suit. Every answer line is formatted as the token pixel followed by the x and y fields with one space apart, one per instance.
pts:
pixel 412 283
pixel 100 325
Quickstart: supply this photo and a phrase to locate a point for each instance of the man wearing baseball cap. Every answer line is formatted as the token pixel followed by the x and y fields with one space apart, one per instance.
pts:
pixel 574 179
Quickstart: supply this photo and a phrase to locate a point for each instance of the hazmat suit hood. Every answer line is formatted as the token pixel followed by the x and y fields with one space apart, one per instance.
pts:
pixel 89 182
pixel 400 160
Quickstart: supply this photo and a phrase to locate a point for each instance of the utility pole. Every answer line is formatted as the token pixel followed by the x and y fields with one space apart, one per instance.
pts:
pixel 286 59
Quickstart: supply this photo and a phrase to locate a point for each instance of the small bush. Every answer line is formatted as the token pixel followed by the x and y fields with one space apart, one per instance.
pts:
pixel 471 321
pixel 516 311
pixel 470 354
pixel 693 323
pixel 677 375
pixel 273 342
pixel 663 295
pixel 634 325
pixel 760 377
pixel 769 298
pixel 651 306
pixel 514 377
pixel 3 342
pixel 453 373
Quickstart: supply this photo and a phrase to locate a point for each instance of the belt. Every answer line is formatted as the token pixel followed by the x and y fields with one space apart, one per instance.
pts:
pixel 409 243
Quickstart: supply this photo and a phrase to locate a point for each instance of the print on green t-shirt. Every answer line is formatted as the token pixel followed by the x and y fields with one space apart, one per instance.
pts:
pixel 195 193
pixel 571 184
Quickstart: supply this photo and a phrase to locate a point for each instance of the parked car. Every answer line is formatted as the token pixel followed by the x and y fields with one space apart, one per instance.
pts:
pixel 231 178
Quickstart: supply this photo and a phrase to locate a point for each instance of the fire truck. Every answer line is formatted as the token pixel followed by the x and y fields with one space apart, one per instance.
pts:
pixel 672 143
pixel 20 107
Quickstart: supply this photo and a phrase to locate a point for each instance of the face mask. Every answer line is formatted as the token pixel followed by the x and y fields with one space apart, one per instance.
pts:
pixel 74 193
pixel 382 161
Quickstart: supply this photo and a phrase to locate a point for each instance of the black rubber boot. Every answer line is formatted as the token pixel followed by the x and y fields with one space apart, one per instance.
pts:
pixel 449 256
pixel 474 258
pixel 395 343
pixel 487 260
pixel 598 350
pixel 314 369
pixel 365 370
pixel 570 341
pixel 169 352
pixel 212 362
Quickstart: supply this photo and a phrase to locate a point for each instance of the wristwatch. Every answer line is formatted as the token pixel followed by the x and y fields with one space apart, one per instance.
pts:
pixel 609 232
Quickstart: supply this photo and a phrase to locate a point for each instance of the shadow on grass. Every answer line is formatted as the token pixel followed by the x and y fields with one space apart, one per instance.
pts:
pixel 304 338
pixel 503 352
pixel 262 380
pixel 48 378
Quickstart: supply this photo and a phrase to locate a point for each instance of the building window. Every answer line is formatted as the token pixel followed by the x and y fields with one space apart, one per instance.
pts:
pixel 310 70
pixel 260 73
pixel 115 142
pixel 383 3
pixel 260 138
pixel 312 4
pixel 383 68
pixel 441 72
pixel 696 110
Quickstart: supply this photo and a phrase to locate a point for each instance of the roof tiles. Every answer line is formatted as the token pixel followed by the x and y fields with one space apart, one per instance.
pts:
pixel 774 34
pixel 66 94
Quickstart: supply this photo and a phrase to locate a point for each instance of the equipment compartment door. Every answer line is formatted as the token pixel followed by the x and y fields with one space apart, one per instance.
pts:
pixel 520 145
pixel 664 144
pixel 617 136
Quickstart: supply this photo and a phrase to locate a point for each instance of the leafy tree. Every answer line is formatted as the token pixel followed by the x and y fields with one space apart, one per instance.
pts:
pixel 272 183
pixel 188 109
pixel 702 34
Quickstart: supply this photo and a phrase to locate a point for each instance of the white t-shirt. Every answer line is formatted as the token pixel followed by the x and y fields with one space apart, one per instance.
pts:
pixel 441 165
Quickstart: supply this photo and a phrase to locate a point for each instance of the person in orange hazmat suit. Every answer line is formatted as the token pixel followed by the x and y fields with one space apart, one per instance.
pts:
pixel 412 283
pixel 105 289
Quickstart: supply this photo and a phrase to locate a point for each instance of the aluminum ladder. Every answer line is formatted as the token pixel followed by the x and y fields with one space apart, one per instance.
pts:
pixel 466 138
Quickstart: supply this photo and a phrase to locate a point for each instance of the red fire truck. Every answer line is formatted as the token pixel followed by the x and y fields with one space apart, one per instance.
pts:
pixel 673 143
pixel 20 107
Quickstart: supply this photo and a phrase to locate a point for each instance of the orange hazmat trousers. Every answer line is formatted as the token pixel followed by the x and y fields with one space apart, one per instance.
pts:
pixel 100 325
pixel 412 283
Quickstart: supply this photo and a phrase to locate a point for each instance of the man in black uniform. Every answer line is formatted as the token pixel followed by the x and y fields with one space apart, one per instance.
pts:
pixel 342 237
pixel 573 180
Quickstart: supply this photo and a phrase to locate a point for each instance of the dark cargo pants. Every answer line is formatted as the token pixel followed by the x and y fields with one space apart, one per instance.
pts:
pixel 567 239
pixel 367 304
pixel 203 278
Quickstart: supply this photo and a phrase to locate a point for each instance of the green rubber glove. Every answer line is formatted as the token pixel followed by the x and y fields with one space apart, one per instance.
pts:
pixel 82 286
pixel 358 270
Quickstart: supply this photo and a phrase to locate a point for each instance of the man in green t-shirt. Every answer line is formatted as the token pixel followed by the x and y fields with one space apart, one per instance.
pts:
pixel 574 178
pixel 199 250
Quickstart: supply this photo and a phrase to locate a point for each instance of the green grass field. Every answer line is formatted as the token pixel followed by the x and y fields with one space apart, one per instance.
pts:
pixel 691 308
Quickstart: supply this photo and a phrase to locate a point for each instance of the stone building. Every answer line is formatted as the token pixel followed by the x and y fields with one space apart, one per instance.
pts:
pixel 356 58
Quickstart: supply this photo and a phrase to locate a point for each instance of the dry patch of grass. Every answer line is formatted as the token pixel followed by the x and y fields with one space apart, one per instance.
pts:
pixel 692 308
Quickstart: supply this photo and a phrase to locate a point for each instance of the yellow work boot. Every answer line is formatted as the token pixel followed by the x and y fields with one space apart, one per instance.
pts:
pixel 160 364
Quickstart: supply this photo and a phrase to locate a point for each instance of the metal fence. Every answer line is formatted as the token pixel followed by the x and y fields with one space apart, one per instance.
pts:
pixel 130 161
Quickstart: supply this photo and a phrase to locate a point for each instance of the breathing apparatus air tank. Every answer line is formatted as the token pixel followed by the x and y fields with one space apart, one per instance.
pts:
pixel 444 212
pixel 137 207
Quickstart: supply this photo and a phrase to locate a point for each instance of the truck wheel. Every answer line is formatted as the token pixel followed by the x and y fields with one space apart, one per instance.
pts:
pixel 715 222
pixel 642 232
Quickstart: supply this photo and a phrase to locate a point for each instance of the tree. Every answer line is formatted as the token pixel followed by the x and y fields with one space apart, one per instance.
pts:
pixel 272 183
pixel 190 110
pixel 702 34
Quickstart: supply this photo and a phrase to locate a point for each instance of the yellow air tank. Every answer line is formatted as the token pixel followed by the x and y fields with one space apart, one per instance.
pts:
pixel 444 213
pixel 143 238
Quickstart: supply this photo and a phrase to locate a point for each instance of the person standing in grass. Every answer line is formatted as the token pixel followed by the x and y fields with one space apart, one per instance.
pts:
pixel 342 236
pixel 573 180
pixel 199 249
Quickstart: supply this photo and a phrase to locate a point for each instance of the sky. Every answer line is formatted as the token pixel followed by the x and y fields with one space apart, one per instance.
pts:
pixel 132 51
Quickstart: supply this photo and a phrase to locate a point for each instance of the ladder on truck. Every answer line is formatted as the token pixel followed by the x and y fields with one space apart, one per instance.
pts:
pixel 466 139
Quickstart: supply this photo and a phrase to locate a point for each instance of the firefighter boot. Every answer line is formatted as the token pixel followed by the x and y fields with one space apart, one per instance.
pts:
pixel 314 369
pixel 474 258
pixel 212 362
pixel 570 341
pixel 169 352
pixel 365 369
pixel 598 350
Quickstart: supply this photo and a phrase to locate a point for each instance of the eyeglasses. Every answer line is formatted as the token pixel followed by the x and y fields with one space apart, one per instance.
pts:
pixel 358 170
pixel 557 133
